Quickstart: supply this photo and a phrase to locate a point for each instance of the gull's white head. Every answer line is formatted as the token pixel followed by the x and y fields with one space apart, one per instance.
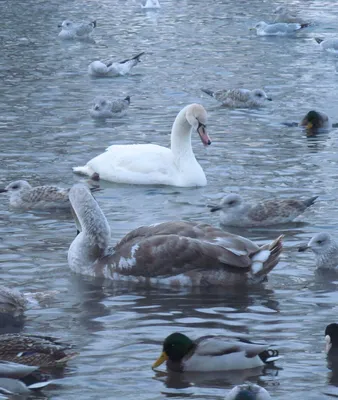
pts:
pixel 16 186
pixel 100 104
pixel 232 202
pixel 196 116
pixel 260 96
pixel 66 24
pixel 321 243
pixel 260 25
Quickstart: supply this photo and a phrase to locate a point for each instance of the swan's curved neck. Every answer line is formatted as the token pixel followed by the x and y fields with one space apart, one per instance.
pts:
pixel 181 137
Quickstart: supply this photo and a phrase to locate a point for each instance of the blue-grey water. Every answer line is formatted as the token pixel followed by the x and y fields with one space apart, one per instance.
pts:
pixel 46 129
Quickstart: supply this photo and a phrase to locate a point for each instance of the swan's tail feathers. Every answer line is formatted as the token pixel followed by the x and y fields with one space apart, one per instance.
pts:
pixel 318 40
pixel 269 356
pixel 208 91
pixel 85 170
pixel 127 99
pixel 93 24
pixel 310 201
pixel 266 258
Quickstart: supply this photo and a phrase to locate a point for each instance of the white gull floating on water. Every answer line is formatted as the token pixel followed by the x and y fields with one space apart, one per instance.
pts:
pixel 325 249
pixel 150 164
pixel 105 108
pixel 177 253
pixel 76 30
pixel 24 196
pixel 239 98
pixel 328 45
pixel 111 68
pixel 279 29
pixel 235 211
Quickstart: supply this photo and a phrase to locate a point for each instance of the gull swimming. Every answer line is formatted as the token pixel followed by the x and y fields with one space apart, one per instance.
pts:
pixel 150 164
pixel 329 45
pixel 111 68
pixel 76 30
pixel 151 4
pixel 325 249
pixel 235 211
pixel 177 253
pixel 239 98
pixel 282 14
pixel 24 196
pixel 105 108
pixel 248 391
pixel 279 29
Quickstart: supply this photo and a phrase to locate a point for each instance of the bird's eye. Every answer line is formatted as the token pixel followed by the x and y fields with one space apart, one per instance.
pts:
pixel 319 241
pixel 259 94
pixel 15 187
pixel 232 202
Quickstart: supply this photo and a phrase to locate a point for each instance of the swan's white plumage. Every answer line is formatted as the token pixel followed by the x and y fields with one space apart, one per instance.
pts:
pixel 153 164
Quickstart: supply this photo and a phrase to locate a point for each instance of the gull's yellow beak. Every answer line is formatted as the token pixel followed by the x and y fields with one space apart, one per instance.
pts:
pixel 162 358
pixel 252 29
pixel 309 125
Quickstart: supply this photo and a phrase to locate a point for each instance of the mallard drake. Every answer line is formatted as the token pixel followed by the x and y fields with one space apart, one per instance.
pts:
pixel 176 253
pixel 325 249
pixel 248 391
pixel 235 211
pixel 213 353
pixel 42 351
pixel 315 120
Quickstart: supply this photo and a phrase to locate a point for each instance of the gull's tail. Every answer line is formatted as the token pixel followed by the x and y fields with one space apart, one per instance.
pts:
pixel 208 91
pixel 136 58
pixel 319 40
pixel 310 201
pixel 127 99
pixel 93 24
pixel 304 25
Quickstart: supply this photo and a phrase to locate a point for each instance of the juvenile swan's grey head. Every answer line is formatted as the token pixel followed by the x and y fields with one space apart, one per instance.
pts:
pixel 260 96
pixel 16 186
pixel 94 233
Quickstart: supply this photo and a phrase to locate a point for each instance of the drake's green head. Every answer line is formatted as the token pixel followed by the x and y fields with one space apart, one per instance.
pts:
pixel 312 120
pixel 175 347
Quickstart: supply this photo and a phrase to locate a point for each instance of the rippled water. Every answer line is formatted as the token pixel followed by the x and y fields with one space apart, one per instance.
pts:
pixel 46 129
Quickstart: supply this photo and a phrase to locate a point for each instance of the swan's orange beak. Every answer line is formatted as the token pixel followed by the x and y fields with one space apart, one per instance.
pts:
pixel 202 131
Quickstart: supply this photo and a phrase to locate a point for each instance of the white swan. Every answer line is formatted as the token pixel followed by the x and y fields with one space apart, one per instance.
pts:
pixel 152 164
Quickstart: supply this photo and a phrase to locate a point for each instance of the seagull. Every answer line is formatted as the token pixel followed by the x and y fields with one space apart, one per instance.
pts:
pixel 239 98
pixel 329 45
pixel 235 211
pixel 279 29
pixel 283 15
pixel 104 108
pixel 22 195
pixel 248 391
pixel 110 68
pixel 325 249
pixel 76 30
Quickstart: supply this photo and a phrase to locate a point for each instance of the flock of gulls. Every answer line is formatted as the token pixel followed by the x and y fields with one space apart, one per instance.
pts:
pixel 177 253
